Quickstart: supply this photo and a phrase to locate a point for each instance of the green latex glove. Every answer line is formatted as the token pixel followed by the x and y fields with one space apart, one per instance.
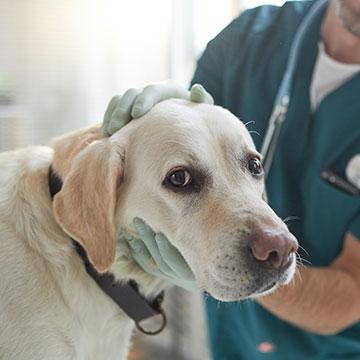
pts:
pixel 156 256
pixel 137 102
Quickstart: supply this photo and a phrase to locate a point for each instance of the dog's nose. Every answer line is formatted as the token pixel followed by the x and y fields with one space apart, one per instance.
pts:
pixel 273 247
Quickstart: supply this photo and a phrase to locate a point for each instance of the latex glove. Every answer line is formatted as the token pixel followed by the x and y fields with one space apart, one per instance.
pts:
pixel 137 102
pixel 156 256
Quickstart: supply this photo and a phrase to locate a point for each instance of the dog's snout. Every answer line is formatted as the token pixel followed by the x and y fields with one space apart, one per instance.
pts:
pixel 273 247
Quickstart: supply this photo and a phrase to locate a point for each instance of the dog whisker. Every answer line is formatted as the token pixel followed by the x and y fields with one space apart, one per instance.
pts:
pixel 249 122
pixel 300 261
pixel 290 218
pixel 254 132
pixel 304 250
pixel 296 276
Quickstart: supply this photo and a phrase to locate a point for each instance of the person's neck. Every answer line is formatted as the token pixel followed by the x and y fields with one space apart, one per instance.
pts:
pixel 339 43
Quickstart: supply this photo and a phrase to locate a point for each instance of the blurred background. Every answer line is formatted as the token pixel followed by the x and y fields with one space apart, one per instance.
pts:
pixel 60 63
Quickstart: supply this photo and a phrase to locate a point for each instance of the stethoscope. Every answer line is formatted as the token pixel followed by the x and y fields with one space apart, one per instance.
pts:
pixel 283 96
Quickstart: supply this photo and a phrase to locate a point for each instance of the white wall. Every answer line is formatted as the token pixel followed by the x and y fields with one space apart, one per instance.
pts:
pixel 64 59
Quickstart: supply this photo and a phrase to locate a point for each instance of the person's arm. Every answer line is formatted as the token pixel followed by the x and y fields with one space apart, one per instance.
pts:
pixel 323 300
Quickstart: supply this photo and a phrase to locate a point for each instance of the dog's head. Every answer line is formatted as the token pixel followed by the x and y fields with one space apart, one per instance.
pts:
pixel 190 171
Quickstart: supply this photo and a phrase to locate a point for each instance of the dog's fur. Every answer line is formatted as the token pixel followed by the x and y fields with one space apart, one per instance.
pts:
pixel 49 307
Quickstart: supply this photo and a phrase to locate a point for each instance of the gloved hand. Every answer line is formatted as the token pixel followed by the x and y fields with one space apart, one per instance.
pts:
pixel 137 102
pixel 156 256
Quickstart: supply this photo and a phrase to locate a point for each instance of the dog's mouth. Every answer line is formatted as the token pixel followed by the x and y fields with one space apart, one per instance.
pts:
pixel 269 281
pixel 266 288
pixel 260 291
pixel 252 282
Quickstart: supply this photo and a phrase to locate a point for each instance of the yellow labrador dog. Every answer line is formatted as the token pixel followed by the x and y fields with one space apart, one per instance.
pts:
pixel 189 170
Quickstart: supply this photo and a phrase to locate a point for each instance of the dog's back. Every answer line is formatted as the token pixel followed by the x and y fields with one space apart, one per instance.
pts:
pixel 47 301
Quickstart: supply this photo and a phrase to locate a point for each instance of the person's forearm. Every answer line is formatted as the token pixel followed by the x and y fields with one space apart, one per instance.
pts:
pixel 321 300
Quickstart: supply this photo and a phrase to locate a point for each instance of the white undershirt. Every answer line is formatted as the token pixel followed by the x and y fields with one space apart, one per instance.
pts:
pixel 328 75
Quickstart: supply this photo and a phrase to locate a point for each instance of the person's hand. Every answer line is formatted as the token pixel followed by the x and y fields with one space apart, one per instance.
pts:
pixel 137 102
pixel 156 256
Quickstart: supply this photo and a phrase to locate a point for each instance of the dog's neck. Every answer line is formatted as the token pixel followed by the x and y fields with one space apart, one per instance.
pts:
pixel 125 294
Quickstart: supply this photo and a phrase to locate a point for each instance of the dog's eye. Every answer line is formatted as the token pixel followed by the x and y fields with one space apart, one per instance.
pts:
pixel 179 178
pixel 255 167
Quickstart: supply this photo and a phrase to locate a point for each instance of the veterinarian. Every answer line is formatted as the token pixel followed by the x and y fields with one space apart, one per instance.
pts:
pixel 314 176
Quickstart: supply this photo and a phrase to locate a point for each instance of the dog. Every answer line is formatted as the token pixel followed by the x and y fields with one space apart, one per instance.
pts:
pixel 189 170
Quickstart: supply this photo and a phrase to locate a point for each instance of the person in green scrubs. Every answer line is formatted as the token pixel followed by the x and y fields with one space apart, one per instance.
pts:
pixel 317 316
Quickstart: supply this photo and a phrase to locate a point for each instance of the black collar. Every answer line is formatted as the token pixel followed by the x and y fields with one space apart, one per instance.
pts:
pixel 126 295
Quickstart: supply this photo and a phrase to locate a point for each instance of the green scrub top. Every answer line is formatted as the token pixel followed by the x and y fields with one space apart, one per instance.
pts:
pixel 242 68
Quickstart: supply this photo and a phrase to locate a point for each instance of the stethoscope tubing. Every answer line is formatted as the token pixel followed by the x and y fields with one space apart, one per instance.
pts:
pixel 283 96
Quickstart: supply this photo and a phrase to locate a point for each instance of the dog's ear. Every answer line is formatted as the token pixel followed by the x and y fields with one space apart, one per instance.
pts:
pixel 68 146
pixel 85 206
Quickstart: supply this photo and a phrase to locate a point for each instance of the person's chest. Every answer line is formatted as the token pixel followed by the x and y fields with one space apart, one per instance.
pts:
pixel 308 144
